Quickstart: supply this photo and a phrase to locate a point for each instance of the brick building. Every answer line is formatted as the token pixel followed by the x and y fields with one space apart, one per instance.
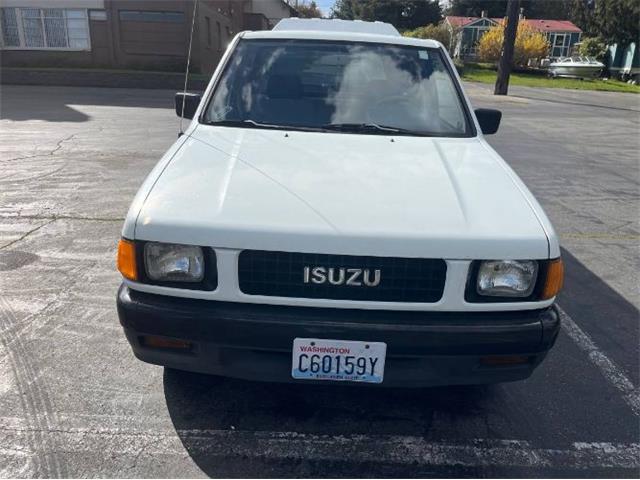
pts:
pixel 127 34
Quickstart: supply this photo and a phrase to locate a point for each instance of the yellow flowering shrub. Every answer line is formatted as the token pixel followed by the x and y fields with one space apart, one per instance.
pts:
pixel 530 43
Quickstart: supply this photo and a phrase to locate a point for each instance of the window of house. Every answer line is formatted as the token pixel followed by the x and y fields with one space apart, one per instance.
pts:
pixel 77 28
pixel 228 32
pixel 54 28
pixel 32 27
pixel 45 28
pixel 560 47
pixel 208 22
pixel 10 35
pixel 219 36
pixel 151 16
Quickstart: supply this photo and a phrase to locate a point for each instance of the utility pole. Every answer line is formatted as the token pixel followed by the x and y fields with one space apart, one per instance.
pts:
pixel 506 60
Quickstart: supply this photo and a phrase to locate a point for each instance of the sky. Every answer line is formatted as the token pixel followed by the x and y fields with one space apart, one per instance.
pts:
pixel 325 6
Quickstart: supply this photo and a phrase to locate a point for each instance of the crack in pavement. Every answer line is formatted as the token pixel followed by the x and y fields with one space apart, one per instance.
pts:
pixel 25 235
pixel 144 448
pixel 47 154
pixel 9 180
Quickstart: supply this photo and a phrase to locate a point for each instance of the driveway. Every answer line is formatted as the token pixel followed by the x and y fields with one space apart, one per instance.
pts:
pixel 75 402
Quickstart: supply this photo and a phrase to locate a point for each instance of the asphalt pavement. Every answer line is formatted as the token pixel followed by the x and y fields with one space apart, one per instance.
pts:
pixel 75 402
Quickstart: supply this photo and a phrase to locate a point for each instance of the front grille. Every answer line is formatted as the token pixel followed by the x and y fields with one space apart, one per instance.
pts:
pixel 282 274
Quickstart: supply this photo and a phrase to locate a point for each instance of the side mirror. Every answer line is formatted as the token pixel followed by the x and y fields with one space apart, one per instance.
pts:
pixel 190 101
pixel 488 119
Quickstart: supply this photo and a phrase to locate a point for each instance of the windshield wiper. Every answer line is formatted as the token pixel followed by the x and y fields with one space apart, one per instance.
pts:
pixel 338 127
pixel 366 127
pixel 253 124
pixel 240 123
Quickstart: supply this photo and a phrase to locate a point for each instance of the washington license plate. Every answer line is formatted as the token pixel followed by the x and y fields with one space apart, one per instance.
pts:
pixel 339 360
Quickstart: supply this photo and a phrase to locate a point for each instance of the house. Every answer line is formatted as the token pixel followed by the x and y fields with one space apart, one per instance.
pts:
pixel 467 31
pixel 127 34
pixel 623 61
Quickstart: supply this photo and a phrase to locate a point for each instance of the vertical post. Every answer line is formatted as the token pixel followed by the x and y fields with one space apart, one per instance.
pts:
pixel 508 45
pixel 186 74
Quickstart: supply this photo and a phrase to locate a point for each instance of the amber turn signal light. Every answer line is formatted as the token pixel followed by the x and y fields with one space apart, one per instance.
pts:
pixel 127 259
pixel 555 278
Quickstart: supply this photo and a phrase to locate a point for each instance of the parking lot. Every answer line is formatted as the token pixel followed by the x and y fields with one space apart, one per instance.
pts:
pixel 75 402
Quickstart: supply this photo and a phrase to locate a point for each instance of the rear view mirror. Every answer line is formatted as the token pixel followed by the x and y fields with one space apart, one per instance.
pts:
pixel 488 119
pixel 190 102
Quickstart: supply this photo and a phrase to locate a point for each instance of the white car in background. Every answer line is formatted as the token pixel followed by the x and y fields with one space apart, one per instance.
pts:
pixel 333 212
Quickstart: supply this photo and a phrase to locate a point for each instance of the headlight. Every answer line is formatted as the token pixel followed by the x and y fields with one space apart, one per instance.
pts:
pixel 507 278
pixel 165 262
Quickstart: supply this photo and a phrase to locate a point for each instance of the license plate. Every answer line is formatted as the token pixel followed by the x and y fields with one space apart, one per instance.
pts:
pixel 338 360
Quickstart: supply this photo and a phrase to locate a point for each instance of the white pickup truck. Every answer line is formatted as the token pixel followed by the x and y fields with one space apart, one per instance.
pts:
pixel 334 213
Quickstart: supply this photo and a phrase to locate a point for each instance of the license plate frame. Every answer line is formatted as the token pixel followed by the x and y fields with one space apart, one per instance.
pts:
pixel 309 360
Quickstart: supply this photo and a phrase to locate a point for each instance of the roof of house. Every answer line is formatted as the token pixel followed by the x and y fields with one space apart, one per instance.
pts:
pixel 553 25
pixel 542 25
pixel 455 21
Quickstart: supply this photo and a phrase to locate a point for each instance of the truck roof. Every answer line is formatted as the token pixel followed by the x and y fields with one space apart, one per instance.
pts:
pixel 341 30
pixel 336 25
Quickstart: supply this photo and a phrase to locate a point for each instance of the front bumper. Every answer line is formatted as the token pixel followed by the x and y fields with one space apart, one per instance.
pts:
pixel 254 342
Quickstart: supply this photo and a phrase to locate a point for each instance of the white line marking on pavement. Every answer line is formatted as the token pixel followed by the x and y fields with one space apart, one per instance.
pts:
pixel 357 448
pixel 610 371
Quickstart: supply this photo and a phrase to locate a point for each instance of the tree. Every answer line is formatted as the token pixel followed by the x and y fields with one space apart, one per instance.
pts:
pixel 582 16
pixel 529 43
pixel 508 45
pixel 416 13
pixel 593 47
pixel 618 21
pixel 403 14
pixel 344 9
pixel 439 32
pixel 473 8
pixel 615 21
pixel 308 10
pixel 548 9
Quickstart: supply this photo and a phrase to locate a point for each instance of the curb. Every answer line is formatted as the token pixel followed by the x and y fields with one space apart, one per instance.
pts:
pixel 98 78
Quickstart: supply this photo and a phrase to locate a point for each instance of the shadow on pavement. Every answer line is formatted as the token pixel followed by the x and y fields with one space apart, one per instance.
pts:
pixel 608 318
pixel 199 403
pixel 205 402
pixel 56 104
pixel 521 410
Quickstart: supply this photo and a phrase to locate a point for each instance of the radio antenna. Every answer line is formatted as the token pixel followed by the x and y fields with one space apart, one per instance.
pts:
pixel 186 74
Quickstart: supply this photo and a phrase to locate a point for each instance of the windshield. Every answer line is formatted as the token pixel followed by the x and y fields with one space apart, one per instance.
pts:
pixel 338 86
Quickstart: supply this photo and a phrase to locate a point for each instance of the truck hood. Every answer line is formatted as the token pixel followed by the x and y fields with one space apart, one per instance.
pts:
pixel 342 193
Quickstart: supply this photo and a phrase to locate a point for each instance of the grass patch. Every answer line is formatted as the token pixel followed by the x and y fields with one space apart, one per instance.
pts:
pixel 476 73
